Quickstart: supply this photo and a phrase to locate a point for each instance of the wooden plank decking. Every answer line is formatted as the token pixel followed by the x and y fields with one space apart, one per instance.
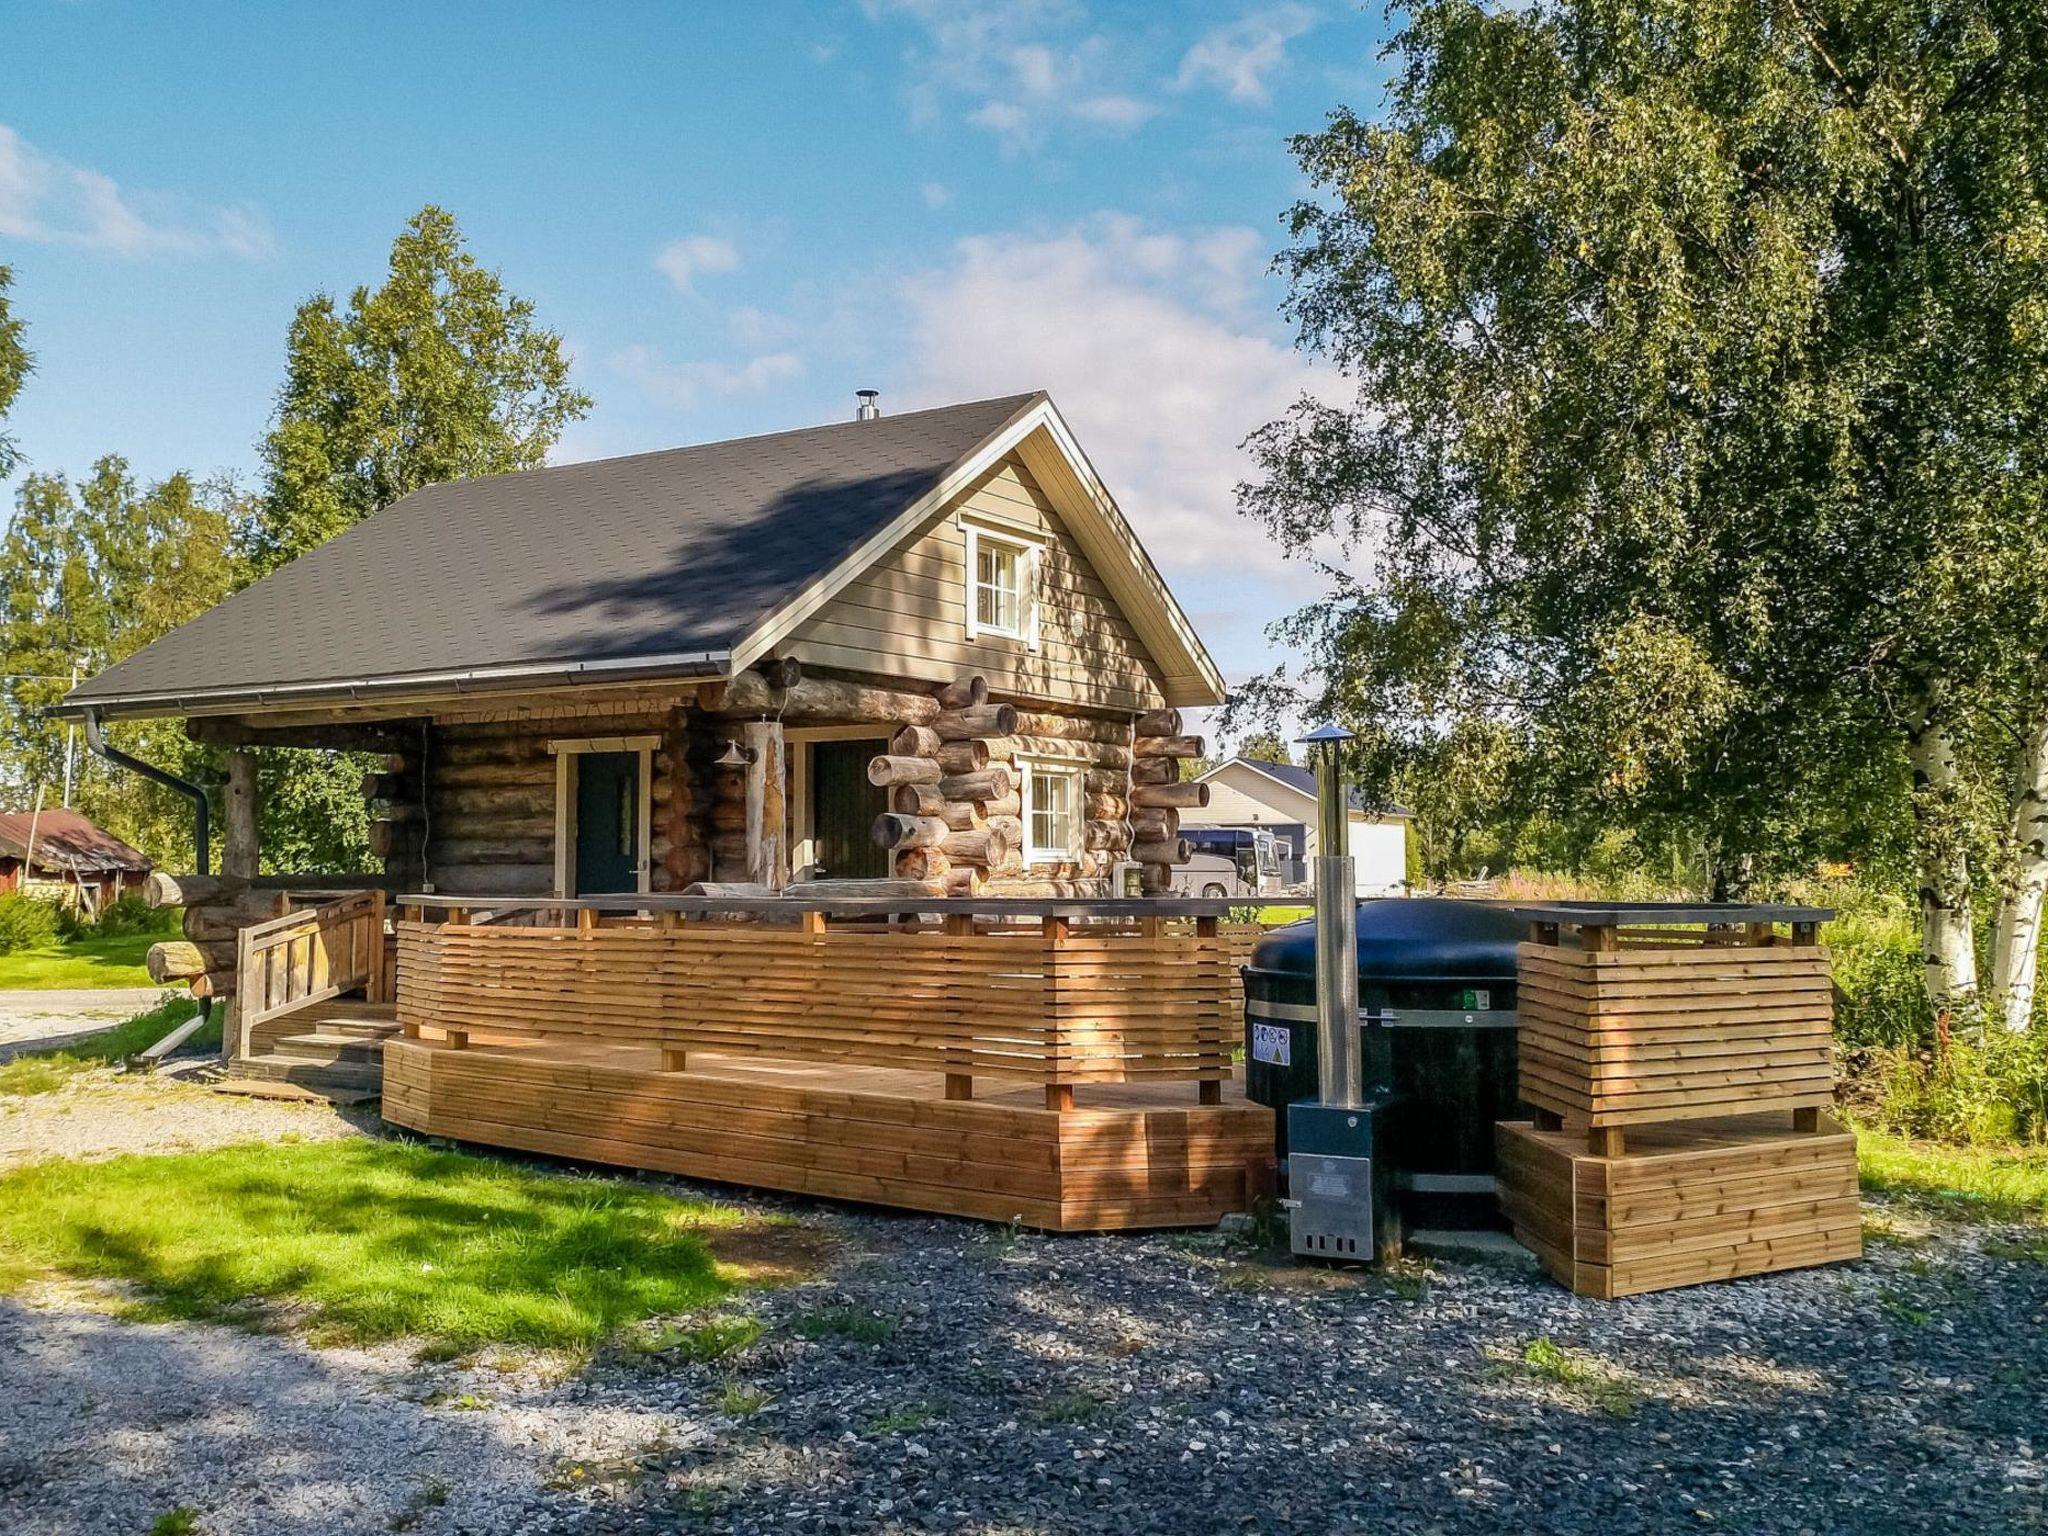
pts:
pixel 1127 1155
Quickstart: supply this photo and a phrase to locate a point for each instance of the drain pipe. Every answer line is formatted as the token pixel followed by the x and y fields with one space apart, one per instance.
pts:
pixel 201 817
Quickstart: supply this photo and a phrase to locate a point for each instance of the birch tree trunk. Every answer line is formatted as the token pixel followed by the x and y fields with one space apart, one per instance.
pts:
pixel 1948 946
pixel 2016 940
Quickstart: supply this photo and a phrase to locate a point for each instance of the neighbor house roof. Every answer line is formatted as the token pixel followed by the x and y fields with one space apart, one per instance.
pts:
pixel 687 561
pixel 67 843
pixel 1303 782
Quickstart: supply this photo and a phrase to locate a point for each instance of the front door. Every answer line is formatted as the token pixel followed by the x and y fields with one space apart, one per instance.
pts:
pixel 607 824
pixel 844 806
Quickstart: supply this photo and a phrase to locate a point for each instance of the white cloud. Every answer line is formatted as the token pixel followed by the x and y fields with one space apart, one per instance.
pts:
pixel 1158 346
pixel 684 385
pixel 683 261
pixel 49 200
pixel 1240 59
pixel 936 194
pixel 1017 68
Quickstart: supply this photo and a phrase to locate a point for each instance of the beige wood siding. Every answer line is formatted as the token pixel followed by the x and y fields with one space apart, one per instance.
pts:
pixel 906 616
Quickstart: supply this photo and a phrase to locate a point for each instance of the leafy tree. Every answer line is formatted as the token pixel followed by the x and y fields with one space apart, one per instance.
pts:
pixel 89 573
pixel 1264 747
pixel 439 374
pixel 15 363
pixel 1701 352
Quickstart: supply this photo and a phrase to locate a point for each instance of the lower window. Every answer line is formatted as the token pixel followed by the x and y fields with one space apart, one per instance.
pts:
pixel 1052 814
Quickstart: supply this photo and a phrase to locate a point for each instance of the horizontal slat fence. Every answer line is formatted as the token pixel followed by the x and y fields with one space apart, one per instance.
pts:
pixel 1639 1035
pixel 1052 1004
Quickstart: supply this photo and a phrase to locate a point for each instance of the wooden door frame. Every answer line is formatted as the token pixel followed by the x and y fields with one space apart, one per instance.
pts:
pixel 566 751
pixel 803 852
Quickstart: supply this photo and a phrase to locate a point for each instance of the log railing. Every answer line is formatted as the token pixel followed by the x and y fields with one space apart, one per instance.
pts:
pixel 1061 1000
pixel 309 955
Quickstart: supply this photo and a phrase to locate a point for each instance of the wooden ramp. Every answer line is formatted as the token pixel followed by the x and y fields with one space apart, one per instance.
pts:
pixel 1127 1155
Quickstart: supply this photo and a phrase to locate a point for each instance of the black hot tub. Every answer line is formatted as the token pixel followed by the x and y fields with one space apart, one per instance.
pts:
pixel 1436 997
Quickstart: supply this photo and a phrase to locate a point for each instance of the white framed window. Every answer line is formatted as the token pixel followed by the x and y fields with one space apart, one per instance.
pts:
pixel 1002 586
pixel 1052 812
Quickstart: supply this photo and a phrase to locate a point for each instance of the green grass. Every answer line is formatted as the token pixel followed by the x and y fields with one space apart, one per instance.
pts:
pixel 1547 1360
pixel 363 1240
pixel 1975 1183
pixel 1274 916
pixel 182 1521
pixel 699 1343
pixel 845 1323
pixel 42 1071
pixel 115 962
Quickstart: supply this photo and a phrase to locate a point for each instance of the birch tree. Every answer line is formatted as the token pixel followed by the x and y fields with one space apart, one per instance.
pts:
pixel 1700 351
pixel 15 363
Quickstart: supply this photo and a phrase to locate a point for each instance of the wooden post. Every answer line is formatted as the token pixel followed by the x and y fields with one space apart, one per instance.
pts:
pixel 239 853
pixel 674 1058
pixel 1806 1119
pixel 959 1085
pixel 1210 1091
pixel 1597 938
pixel 458 1039
pixel 379 988
pixel 810 922
pixel 1605 1141
pixel 767 816
pixel 1058 1096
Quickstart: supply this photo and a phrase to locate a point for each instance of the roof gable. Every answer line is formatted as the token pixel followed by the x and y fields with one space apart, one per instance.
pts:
pixel 1295 779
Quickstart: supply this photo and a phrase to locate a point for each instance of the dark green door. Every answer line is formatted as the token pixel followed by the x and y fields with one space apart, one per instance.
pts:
pixel 844 806
pixel 607 823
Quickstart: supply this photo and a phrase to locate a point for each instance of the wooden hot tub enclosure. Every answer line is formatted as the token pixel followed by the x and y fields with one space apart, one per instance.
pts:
pixel 1064 1065
pixel 1679 1063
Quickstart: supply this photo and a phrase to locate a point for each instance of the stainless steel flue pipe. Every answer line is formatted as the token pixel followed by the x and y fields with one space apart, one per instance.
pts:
pixel 1337 1060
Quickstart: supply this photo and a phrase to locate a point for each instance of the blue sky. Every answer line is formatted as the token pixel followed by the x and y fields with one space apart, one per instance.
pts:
pixel 736 215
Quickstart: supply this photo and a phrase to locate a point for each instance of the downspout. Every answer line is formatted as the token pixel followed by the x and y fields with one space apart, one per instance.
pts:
pixel 201 817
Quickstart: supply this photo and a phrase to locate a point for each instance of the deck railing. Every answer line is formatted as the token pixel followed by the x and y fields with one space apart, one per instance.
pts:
pixel 307 955
pixel 1059 994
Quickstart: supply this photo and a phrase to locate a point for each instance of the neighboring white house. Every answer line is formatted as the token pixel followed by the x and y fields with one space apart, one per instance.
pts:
pixel 1246 794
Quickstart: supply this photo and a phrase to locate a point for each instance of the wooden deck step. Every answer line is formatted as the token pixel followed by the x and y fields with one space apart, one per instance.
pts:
pixel 332 1046
pixel 328 1078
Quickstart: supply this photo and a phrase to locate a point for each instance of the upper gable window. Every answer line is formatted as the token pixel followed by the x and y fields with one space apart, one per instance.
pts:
pixel 1002 586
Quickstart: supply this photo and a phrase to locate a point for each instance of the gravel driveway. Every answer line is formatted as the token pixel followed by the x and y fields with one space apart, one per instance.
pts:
pixel 954 1377
pixel 41 1019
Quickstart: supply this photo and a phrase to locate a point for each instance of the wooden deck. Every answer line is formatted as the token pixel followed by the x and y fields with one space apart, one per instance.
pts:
pixel 1070 1071
pixel 1127 1155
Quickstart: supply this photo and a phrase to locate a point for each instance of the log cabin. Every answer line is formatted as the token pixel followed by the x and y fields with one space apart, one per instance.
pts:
pixel 740 662
pixel 631 718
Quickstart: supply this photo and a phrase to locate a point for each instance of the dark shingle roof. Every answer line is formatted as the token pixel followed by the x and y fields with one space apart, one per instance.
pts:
pixel 658 554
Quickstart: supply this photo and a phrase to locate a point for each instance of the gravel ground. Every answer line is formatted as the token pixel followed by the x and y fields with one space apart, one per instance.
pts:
pixel 104 1113
pixel 952 1377
pixel 36 1020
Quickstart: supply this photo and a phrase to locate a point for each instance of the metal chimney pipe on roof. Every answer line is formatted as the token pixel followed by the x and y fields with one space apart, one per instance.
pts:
pixel 868 409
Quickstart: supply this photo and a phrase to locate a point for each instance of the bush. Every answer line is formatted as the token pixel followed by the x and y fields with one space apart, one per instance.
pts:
pixel 1988 1092
pixel 1874 952
pixel 131 915
pixel 26 922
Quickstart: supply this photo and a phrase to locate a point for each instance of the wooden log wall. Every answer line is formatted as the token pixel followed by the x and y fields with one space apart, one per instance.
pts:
pixel 216 908
pixel 956 781
pixel 1158 748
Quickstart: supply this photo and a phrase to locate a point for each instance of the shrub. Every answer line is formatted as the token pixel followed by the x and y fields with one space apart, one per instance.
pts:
pixel 26 922
pixel 1987 1092
pixel 1874 952
pixel 131 915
